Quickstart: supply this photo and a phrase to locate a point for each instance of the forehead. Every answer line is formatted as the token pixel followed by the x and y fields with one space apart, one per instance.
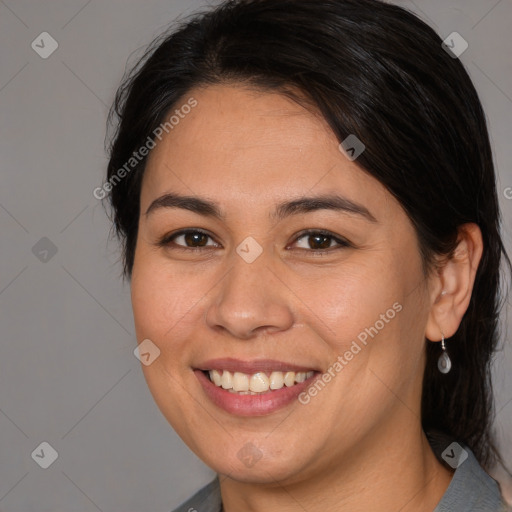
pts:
pixel 242 144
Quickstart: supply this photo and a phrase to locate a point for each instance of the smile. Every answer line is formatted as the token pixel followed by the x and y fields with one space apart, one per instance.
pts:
pixel 253 388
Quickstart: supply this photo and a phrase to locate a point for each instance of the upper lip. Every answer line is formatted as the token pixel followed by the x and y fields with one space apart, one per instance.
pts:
pixel 250 367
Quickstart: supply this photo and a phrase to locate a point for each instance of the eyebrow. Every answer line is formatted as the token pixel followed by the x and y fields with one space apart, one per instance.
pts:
pixel 297 206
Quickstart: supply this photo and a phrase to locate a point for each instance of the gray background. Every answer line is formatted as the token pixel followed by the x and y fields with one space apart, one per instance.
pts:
pixel 68 375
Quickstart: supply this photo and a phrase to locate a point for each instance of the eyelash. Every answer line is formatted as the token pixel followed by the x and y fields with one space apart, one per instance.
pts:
pixel 167 241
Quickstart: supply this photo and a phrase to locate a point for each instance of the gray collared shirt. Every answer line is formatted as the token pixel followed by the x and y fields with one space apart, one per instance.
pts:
pixel 471 490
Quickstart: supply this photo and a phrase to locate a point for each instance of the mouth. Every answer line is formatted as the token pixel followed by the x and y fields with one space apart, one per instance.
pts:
pixel 253 388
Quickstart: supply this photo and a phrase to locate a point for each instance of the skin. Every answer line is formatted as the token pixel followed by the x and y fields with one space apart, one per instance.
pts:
pixel 358 444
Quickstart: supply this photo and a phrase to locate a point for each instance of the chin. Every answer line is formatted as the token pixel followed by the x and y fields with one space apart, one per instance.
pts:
pixel 250 465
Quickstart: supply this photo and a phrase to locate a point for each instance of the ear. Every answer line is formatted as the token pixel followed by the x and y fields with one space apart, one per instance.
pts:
pixel 451 288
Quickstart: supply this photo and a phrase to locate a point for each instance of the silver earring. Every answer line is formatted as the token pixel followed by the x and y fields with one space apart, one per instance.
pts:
pixel 444 362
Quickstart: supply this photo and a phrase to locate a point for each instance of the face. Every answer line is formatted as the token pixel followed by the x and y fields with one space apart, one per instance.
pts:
pixel 265 254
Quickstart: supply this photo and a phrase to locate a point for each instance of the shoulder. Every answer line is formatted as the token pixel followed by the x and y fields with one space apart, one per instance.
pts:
pixel 471 488
pixel 206 499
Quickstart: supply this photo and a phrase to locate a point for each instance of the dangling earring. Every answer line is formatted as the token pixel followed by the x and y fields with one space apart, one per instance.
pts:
pixel 444 362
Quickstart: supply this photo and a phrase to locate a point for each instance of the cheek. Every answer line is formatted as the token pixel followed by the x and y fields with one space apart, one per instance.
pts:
pixel 354 297
pixel 165 308
pixel 372 315
pixel 164 303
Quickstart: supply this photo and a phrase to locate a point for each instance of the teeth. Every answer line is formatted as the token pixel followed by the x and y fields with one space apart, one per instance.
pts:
pixel 227 380
pixel 241 382
pixel 300 377
pixel 276 380
pixel 256 383
pixel 259 383
pixel 289 379
pixel 215 377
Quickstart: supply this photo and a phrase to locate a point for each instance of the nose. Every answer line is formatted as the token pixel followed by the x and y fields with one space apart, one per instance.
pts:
pixel 249 300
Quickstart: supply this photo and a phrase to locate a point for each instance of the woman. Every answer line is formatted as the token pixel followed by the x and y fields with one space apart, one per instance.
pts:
pixel 306 199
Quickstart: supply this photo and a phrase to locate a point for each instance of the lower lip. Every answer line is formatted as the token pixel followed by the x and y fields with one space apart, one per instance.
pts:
pixel 252 405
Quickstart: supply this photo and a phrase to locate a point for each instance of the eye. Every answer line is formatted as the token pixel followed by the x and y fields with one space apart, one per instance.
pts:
pixel 320 241
pixel 187 239
pixel 314 241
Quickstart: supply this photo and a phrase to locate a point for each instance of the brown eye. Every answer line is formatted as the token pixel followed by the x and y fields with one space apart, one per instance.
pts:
pixel 320 241
pixel 188 239
pixel 195 238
